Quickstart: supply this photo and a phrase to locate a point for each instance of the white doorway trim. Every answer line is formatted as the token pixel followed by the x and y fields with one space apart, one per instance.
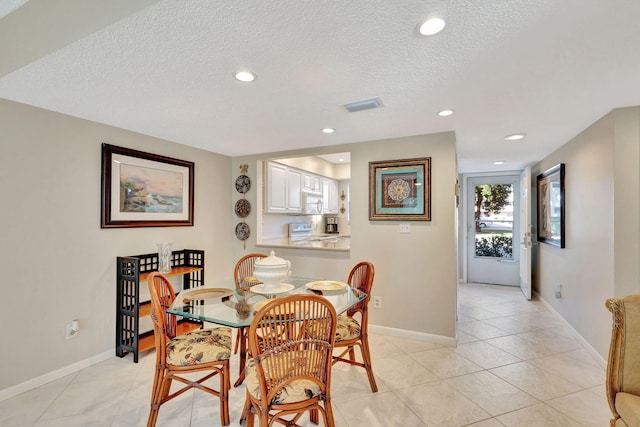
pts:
pixel 462 246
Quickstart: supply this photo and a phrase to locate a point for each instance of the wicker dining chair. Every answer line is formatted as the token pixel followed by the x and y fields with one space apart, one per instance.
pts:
pixel 202 350
pixel 352 332
pixel 291 342
pixel 243 277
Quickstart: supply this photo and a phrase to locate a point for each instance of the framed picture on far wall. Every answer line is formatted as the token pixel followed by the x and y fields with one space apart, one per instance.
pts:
pixel 145 190
pixel 551 206
pixel 400 190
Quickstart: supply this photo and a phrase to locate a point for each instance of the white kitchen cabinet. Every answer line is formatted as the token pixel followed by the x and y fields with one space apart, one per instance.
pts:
pixel 294 194
pixel 330 195
pixel 311 183
pixel 283 189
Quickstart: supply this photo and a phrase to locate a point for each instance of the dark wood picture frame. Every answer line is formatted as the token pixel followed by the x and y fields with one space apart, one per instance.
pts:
pixel 400 190
pixel 145 190
pixel 551 197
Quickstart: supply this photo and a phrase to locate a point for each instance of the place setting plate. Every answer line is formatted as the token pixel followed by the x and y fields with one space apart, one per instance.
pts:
pixel 259 289
pixel 205 293
pixel 326 285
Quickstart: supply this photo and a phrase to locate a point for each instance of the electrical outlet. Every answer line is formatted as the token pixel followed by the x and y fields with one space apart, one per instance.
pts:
pixel 377 302
pixel 73 329
pixel 559 291
pixel 405 228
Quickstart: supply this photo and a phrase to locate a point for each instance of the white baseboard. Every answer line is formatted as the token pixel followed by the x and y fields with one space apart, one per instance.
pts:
pixel 382 330
pixel 55 375
pixel 412 335
pixel 78 366
pixel 592 351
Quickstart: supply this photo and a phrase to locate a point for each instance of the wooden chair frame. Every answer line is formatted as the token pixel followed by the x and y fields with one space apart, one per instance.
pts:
pixel 243 269
pixel 622 357
pixel 360 277
pixel 165 325
pixel 291 339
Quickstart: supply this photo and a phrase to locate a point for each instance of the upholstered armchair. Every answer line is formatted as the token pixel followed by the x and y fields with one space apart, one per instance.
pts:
pixel 623 366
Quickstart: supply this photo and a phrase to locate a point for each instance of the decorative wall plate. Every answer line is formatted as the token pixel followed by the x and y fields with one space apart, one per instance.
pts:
pixel 243 208
pixel 243 184
pixel 242 231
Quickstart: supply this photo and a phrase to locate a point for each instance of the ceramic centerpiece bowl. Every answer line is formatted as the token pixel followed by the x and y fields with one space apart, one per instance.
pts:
pixel 271 271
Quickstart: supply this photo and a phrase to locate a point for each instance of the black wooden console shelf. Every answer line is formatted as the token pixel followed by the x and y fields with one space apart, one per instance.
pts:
pixel 132 273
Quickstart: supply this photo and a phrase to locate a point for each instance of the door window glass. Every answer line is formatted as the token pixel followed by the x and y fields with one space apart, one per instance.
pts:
pixel 493 216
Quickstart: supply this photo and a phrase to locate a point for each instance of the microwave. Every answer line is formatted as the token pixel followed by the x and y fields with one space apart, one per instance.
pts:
pixel 312 203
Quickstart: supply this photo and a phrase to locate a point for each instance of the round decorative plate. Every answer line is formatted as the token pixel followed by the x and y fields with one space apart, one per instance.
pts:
pixel 243 184
pixel 326 285
pixel 283 287
pixel 242 231
pixel 205 293
pixel 243 208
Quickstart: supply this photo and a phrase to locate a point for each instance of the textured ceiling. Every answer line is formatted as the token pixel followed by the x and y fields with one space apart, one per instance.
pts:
pixel 8 6
pixel 548 68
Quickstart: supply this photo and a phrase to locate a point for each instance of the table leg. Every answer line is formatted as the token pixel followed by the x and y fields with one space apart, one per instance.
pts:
pixel 243 357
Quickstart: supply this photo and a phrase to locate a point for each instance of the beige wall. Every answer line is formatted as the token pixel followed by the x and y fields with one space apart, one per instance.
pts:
pixel 415 273
pixel 60 265
pixel 57 263
pixel 627 201
pixel 602 239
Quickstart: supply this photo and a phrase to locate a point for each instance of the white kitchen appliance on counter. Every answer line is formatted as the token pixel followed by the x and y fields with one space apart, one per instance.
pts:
pixel 299 231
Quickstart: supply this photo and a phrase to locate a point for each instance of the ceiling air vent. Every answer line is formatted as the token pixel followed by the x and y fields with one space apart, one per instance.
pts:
pixel 366 104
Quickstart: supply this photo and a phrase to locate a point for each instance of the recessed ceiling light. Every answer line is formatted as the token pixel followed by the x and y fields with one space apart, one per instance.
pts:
pixel 432 26
pixel 499 162
pixel 341 160
pixel 245 76
pixel 328 130
pixel 445 113
pixel 515 136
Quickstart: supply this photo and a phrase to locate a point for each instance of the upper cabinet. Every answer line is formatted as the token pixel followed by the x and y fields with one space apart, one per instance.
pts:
pixel 311 183
pixel 330 195
pixel 283 189
pixel 286 186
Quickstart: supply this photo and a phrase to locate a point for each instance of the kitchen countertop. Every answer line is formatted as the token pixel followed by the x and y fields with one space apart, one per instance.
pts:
pixel 327 242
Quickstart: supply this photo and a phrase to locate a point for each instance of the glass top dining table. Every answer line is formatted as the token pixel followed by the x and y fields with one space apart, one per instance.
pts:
pixel 236 307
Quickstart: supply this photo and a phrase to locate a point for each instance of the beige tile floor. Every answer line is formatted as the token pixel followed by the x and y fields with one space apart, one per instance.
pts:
pixel 516 365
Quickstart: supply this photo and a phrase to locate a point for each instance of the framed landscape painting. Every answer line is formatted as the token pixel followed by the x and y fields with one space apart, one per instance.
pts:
pixel 400 190
pixel 145 190
pixel 551 206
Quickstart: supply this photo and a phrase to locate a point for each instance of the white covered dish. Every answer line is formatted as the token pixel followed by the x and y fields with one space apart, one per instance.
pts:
pixel 271 271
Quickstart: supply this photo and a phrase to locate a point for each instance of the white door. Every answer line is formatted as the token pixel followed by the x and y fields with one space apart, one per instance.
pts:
pixel 525 232
pixel 492 228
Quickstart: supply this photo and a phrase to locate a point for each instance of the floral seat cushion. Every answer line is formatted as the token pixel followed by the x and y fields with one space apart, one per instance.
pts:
pixel 348 328
pixel 296 391
pixel 200 346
